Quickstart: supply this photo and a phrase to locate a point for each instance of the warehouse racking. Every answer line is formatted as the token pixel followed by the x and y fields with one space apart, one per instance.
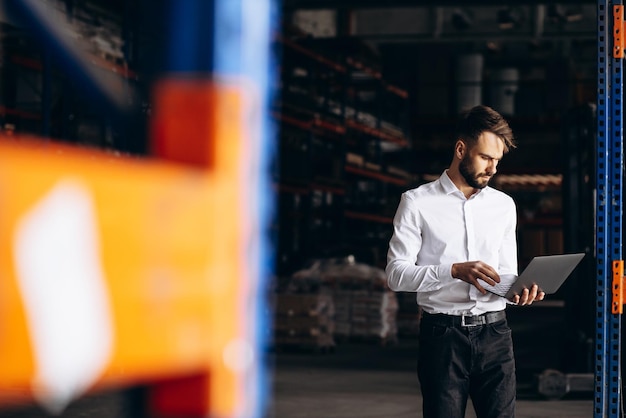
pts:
pixel 609 207
pixel 341 124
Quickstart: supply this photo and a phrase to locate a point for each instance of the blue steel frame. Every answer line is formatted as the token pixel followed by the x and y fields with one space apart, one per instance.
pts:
pixel 610 161
pixel 602 302
pixel 230 40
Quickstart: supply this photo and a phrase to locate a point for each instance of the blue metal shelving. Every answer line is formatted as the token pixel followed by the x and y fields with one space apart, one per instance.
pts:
pixel 610 161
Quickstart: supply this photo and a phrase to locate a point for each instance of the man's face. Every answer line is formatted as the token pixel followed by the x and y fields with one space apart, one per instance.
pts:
pixel 479 163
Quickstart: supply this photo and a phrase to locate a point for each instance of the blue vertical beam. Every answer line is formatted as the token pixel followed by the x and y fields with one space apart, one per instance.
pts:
pixel 191 40
pixel 602 295
pixel 616 174
pixel 243 38
pixel 615 169
pixel 608 217
pixel 230 41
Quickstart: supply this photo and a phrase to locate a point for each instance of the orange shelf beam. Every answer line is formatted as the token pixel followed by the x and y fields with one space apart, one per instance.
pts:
pixel 368 217
pixel 375 175
pixel 313 55
pixel 377 133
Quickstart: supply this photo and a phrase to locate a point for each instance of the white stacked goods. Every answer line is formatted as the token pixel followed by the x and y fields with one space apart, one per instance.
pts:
pixel 374 314
pixel 304 320
pixel 363 305
pixel 343 303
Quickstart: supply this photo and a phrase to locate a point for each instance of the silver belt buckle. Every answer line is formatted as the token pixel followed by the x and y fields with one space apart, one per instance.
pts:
pixel 463 324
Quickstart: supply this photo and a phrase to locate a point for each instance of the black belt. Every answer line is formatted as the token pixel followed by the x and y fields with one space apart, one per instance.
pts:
pixel 465 320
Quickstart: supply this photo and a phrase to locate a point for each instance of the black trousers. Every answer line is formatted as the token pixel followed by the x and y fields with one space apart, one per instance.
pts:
pixel 457 362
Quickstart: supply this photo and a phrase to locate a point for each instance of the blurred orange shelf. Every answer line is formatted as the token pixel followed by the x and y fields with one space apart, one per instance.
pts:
pixel 375 175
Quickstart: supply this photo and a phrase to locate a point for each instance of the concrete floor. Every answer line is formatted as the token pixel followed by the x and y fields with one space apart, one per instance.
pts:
pixel 368 380
pixel 334 386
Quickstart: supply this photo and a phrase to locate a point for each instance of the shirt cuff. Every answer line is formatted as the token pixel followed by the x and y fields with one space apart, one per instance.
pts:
pixel 444 273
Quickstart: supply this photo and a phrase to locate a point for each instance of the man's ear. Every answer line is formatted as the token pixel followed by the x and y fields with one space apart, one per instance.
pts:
pixel 460 148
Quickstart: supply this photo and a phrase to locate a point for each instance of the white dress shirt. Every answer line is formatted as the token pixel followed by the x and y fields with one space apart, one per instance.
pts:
pixel 436 226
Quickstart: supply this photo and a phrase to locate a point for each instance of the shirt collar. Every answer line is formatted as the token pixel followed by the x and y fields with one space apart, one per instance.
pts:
pixel 449 187
pixel 446 183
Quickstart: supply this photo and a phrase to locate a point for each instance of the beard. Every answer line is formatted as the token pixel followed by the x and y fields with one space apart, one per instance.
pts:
pixel 473 179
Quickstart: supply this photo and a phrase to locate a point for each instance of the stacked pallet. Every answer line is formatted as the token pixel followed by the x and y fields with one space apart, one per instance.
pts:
pixel 370 305
pixel 343 313
pixel 374 315
pixel 362 306
pixel 305 320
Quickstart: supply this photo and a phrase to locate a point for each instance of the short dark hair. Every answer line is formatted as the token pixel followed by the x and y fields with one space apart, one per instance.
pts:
pixel 481 119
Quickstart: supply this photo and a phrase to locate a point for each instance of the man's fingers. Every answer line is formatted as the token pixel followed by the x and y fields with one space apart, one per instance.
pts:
pixel 476 284
pixel 524 297
pixel 490 281
pixel 489 275
pixel 495 277
pixel 471 271
pixel 529 296
pixel 539 294
pixel 535 294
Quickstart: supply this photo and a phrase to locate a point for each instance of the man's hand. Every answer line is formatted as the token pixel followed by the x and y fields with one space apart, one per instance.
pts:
pixel 528 296
pixel 471 271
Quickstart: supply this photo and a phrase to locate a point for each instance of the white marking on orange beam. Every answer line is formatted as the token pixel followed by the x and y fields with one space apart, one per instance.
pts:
pixel 56 250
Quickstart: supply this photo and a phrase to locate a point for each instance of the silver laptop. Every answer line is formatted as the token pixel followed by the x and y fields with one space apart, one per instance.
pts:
pixel 547 271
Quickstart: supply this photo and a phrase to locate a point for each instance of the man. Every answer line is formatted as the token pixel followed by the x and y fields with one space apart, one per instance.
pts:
pixel 451 237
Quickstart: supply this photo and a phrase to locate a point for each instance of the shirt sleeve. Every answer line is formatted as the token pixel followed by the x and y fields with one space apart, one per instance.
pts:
pixel 406 242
